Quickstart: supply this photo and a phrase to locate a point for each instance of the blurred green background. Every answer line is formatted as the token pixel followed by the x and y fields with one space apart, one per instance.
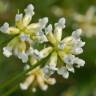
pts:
pixel 83 82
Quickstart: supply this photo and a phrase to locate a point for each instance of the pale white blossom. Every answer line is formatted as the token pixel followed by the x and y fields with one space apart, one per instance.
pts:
pixel 18 17
pixel 60 53
pixel 26 34
pixel 79 62
pixel 7 51
pixel 37 75
pixel 4 28
pixel 64 72
pixel 69 59
pixel 65 49
pixel 23 56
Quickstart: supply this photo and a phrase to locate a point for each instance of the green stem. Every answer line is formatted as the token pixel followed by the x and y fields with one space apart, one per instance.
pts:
pixel 10 91
pixel 21 75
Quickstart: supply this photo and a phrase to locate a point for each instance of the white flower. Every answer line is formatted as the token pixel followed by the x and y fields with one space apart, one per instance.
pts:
pixel 24 37
pixel 23 56
pixel 26 33
pixel 49 34
pixel 70 68
pixel 50 68
pixel 65 49
pixel 61 53
pixel 7 51
pixel 48 71
pixel 43 22
pixel 61 23
pixel 64 72
pixel 58 28
pixel 18 17
pixel 41 37
pixel 77 50
pixel 79 62
pixel 37 76
pixel 4 28
pixel 29 10
pixel 69 59
pixel 48 29
pixel 78 43
pixel 23 86
pixel 76 34
pixel 26 84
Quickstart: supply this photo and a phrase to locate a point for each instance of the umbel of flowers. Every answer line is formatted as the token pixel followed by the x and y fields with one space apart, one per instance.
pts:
pixel 61 52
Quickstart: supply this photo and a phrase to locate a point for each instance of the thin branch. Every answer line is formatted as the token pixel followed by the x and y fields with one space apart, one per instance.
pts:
pixel 21 75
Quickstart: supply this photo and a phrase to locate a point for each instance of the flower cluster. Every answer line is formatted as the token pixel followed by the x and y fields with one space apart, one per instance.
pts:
pixel 61 52
pixel 25 32
pixel 37 76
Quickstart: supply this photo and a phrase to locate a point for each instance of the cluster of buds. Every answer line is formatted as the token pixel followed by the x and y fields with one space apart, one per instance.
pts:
pixel 37 77
pixel 61 53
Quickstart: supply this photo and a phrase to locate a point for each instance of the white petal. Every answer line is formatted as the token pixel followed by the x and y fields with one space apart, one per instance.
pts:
pixel 44 87
pixel 65 74
pixel 78 43
pixel 7 51
pixel 29 10
pixel 50 36
pixel 79 62
pixel 18 17
pixel 41 37
pixel 69 59
pixel 23 86
pixel 4 28
pixel 23 57
pixel 40 81
pixel 24 37
pixel 58 28
pixel 76 34
pixel 77 51
pixel 48 29
pixel 70 68
pixel 61 23
pixel 63 71
pixel 48 71
pixel 27 83
pixel 43 22
pixel 60 71
pixel 51 81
